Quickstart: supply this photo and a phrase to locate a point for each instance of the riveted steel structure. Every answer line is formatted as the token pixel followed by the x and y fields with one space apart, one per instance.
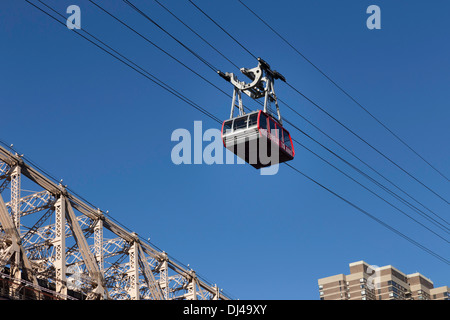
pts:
pixel 55 245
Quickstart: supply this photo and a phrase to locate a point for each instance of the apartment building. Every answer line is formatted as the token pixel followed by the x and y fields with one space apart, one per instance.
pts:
pixel 367 282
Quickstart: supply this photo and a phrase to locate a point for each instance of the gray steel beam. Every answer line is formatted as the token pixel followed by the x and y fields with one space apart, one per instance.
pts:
pixel 73 202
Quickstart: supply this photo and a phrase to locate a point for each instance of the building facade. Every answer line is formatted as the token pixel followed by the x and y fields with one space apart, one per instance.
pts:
pixel 367 282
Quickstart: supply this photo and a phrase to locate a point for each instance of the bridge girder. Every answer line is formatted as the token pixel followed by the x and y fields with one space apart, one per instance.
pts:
pixel 55 245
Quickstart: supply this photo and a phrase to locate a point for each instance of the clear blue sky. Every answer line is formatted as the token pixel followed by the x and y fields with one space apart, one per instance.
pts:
pixel 105 130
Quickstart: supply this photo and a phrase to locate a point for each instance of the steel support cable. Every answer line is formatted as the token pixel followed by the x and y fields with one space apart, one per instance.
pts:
pixel 366 142
pixel 132 65
pixel 380 185
pixel 341 89
pixel 159 48
pixel 371 168
pixel 220 27
pixel 372 217
pixel 389 191
pixel 411 206
pixel 323 110
pixel 202 59
pixel 377 195
pixel 196 33
pixel 170 35
pixel 297 170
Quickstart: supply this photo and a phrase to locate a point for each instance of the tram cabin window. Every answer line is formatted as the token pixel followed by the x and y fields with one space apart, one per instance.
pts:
pixel 263 121
pixel 227 126
pixel 253 120
pixel 240 123
pixel 286 139
pixel 273 127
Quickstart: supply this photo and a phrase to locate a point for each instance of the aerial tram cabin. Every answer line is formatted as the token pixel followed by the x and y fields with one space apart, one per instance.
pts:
pixel 257 137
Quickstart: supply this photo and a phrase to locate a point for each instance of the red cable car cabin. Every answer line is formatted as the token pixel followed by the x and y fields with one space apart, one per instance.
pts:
pixel 258 139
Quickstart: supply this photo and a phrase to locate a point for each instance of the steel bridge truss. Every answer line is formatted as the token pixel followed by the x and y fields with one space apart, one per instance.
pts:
pixel 54 245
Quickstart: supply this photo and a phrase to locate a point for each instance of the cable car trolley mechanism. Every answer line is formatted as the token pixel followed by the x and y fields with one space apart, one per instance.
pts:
pixel 258 137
